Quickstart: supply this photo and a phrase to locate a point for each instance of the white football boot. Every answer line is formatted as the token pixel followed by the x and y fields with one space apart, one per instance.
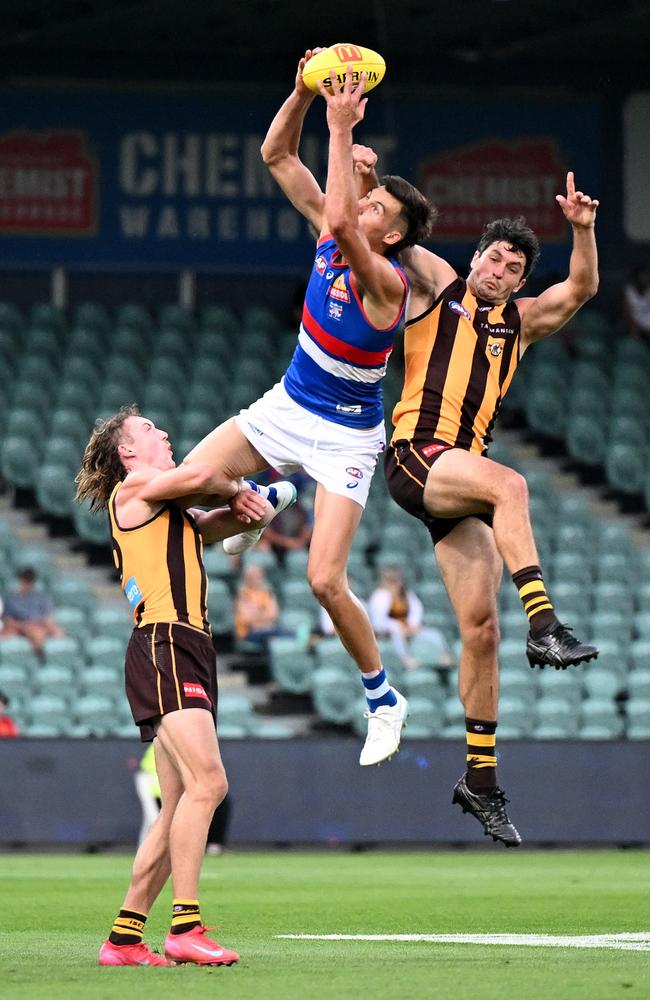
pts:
pixel 285 494
pixel 384 731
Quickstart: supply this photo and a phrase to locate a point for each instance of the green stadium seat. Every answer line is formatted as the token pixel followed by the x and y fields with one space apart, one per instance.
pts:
pixel 220 606
pixel 545 408
pixel 422 682
pixel 73 622
pixel 560 685
pixel 115 622
pixel 52 678
pixel 175 317
pixel 70 592
pixel 133 316
pixel 555 719
pixel 102 680
pixel 292 667
pixel 639 653
pixel 515 714
pixel 585 439
pixel 614 536
pixel 19 461
pixel 453 712
pixel 11 317
pixel 15 678
pixel 297 594
pixel 235 710
pixel 259 318
pixel 55 489
pixel 106 651
pixel 638 682
pixel 91 526
pixel 72 424
pixel 84 347
pixel 637 711
pixel 334 692
pixel 614 625
pixel 92 315
pixel 431 649
pixel 49 714
pixel 16 649
pixel 625 466
pixel 93 715
pixel 61 451
pixel 62 651
pixel 219 319
pixel 26 423
pixel 331 654
pixel 518 682
pixel 599 683
pixel 425 718
pixel 44 314
pixel 296 621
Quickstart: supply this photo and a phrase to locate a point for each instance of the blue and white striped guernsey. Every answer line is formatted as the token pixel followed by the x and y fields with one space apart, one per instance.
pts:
pixel 340 358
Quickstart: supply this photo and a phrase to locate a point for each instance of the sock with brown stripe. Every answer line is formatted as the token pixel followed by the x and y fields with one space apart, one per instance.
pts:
pixel 128 927
pixel 537 605
pixel 186 914
pixel 481 755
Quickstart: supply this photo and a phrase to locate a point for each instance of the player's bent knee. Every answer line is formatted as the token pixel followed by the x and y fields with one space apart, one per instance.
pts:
pixel 481 636
pixel 326 587
pixel 514 489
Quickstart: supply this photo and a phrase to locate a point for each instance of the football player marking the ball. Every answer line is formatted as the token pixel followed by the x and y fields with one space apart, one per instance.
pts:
pixel 170 669
pixel 463 341
pixel 326 415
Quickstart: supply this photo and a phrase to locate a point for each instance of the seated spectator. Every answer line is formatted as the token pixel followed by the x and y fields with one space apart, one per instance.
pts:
pixel 256 609
pixel 28 612
pixel 396 613
pixel 8 728
pixel 636 303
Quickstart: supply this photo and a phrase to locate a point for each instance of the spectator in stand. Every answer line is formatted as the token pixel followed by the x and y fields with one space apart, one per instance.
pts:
pixel 8 728
pixel 256 609
pixel 396 612
pixel 636 303
pixel 28 612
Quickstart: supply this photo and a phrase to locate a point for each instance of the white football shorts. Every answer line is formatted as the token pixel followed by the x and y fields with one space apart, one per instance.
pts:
pixel 290 438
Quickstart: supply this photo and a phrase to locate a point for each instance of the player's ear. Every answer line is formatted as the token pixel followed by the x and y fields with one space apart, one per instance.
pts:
pixel 393 237
pixel 124 451
pixel 519 286
pixel 475 259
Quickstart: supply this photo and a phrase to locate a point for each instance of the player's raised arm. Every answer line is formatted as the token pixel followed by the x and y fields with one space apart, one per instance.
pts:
pixel 280 151
pixel 548 312
pixel 380 281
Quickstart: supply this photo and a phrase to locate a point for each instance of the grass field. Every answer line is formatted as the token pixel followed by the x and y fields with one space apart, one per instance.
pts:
pixel 58 908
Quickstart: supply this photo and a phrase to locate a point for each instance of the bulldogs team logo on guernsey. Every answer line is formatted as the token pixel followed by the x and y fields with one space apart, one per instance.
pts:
pixel 320 264
pixel 459 309
pixel 194 691
pixel 339 291
pixel 335 310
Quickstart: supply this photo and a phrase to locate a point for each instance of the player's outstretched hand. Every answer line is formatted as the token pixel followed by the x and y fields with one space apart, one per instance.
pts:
pixel 364 159
pixel 248 505
pixel 345 107
pixel 301 86
pixel 579 209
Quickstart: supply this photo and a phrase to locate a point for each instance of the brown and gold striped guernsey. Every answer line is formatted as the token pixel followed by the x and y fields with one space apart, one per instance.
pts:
pixel 161 567
pixel 460 356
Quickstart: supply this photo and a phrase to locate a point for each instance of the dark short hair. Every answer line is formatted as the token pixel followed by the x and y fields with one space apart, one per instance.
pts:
pixel 517 234
pixel 27 574
pixel 418 213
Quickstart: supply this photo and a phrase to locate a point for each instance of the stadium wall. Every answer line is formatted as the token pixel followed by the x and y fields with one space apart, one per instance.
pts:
pixel 74 793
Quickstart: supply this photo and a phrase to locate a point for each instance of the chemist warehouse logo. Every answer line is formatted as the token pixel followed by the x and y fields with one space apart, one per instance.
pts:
pixel 48 184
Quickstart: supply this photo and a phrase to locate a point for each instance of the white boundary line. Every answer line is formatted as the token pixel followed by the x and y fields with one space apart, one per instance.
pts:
pixel 620 942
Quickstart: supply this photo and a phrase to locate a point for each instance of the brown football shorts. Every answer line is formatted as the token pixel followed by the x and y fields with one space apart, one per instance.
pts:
pixel 406 467
pixel 168 667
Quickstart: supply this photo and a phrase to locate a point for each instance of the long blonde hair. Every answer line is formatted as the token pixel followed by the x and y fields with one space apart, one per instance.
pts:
pixel 101 466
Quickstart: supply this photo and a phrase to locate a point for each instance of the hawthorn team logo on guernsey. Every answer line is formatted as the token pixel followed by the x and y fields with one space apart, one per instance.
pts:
pixel 48 184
